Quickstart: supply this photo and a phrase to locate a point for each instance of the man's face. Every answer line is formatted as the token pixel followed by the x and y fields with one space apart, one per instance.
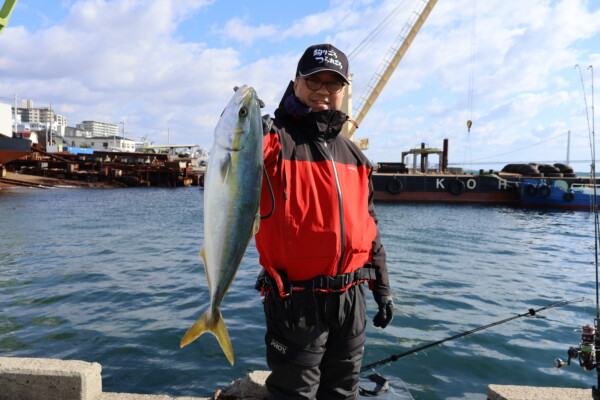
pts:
pixel 321 98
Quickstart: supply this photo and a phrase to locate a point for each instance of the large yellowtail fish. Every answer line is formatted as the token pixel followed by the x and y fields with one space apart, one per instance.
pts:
pixel 232 187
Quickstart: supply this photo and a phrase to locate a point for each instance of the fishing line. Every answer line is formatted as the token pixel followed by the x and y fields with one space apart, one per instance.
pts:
pixel 272 194
pixel 531 312
pixel 592 140
pixel 587 353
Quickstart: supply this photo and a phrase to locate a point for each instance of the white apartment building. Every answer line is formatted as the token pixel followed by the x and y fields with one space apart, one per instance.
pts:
pixel 99 128
pixel 110 143
pixel 60 120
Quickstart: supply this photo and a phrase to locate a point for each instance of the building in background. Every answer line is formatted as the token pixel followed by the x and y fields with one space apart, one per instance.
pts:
pixel 6 125
pixel 110 143
pixel 99 128
pixel 41 120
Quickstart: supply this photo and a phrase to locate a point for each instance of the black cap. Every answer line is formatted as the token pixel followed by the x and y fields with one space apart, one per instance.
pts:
pixel 323 57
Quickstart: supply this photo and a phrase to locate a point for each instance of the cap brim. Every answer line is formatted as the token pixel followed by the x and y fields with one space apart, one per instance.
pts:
pixel 320 69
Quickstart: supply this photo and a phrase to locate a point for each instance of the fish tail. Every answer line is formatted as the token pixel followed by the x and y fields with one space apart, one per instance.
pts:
pixel 214 325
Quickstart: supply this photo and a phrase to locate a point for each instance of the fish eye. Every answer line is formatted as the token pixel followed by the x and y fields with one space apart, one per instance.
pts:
pixel 243 112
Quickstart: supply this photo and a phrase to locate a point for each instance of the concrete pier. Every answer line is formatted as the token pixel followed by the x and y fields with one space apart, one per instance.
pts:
pixel 51 379
pixel 509 392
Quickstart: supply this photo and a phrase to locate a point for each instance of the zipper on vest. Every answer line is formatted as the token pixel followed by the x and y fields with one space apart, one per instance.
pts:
pixel 340 204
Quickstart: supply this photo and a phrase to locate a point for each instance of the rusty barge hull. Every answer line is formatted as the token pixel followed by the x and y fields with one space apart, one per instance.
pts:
pixel 491 188
pixel 13 148
pixel 449 189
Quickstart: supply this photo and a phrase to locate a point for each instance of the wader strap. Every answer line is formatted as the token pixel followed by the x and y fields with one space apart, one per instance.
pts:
pixel 276 276
pixel 337 283
pixel 324 283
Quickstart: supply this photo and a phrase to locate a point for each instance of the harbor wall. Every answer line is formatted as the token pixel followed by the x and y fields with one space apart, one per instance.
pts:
pixel 53 379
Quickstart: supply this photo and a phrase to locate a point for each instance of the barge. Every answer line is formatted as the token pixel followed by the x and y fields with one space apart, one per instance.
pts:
pixel 397 182
pixel 12 148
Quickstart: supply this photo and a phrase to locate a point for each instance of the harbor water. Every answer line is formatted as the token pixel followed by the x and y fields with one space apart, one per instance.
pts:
pixel 114 276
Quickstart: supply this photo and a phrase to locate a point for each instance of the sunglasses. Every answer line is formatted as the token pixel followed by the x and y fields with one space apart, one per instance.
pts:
pixel 315 84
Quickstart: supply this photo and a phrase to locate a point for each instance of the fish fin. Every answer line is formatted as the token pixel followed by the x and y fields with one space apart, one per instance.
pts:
pixel 256 224
pixel 203 256
pixel 222 335
pixel 225 166
pixel 216 326
pixel 199 327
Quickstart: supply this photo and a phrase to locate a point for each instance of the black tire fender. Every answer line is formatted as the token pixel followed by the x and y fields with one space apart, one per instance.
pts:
pixel 530 189
pixel 395 185
pixel 569 196
pixel 544 190
pixel 456 187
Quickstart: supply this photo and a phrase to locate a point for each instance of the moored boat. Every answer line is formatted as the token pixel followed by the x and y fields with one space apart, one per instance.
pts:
pixel 559 194
pixel 12 148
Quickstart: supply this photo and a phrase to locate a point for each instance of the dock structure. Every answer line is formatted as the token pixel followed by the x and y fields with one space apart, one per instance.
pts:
pixel 53 379
pixel 120 169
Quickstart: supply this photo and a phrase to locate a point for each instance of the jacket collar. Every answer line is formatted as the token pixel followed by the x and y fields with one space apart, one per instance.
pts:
pixel 325 124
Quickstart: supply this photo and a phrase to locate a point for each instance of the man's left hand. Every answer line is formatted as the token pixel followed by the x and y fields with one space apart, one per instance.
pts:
pixel 386 311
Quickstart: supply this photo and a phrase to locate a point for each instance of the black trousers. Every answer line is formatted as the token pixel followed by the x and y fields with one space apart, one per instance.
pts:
pixel 315 344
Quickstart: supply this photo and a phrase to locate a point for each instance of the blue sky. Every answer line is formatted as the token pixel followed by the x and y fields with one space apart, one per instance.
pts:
pixel 166 68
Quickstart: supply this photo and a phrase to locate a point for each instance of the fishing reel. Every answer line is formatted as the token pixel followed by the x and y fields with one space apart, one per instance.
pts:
pixel 587 352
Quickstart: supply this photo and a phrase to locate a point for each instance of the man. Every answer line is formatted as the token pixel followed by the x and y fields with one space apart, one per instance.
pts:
pixel 320 243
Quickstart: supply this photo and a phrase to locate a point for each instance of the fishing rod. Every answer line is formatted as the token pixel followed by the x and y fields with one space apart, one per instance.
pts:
pixel 588 351
pixel 530 312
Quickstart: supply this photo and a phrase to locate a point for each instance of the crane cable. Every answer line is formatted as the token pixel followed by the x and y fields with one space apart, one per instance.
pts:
pixel 472 64
pixel 471 80
pixel 376 33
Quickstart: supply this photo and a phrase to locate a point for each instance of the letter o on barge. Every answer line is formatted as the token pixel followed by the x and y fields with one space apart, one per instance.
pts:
pixel 456 187
pixel 395 185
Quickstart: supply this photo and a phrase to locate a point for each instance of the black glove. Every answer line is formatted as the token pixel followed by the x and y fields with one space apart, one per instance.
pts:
pixel 386 311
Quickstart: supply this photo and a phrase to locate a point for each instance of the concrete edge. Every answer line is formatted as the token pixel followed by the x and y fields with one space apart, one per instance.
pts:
pixel 511 392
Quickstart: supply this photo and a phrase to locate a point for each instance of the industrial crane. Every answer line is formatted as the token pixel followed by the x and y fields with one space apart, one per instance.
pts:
pixel 386 68
pixel 5 11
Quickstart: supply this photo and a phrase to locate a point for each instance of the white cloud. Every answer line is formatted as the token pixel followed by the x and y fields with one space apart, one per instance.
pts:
pixel 131 61
pixel 237 29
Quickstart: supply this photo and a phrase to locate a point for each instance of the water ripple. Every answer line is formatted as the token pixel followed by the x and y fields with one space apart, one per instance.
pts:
pixel 114 276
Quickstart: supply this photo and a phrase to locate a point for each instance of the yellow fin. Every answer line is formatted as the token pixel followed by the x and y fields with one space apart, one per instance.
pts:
pixel 256 224
pixel 216 326
pixel 203 256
